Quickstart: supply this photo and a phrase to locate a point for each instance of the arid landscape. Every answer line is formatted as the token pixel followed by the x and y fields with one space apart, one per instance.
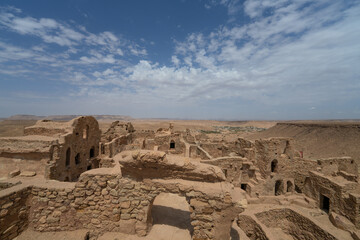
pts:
pixel 179 120
pixel 178 179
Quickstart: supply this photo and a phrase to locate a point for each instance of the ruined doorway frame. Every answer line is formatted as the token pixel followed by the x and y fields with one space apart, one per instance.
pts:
pixel 172 144
pixel 289 186
pixel 324 203
pixel 279 187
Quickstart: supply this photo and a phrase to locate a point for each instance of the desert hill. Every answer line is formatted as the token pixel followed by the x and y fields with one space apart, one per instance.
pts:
pixel 319 139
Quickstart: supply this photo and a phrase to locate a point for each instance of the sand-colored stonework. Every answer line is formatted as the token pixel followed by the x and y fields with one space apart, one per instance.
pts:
pixel 68 179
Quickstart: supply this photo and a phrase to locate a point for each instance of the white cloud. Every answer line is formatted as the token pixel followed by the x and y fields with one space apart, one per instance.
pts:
pixel 175 60
pixel 290 53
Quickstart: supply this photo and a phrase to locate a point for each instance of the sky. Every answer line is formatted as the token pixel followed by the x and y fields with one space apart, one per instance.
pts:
pixel 188 59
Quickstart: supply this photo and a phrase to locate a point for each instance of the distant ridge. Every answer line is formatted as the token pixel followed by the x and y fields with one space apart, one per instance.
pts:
pixel 67 117
pixel 24 117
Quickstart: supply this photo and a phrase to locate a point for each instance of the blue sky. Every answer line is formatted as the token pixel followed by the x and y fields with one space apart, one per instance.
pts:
pixel 197 59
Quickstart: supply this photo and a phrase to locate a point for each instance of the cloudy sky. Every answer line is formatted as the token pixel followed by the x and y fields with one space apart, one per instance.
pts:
pixel 197 59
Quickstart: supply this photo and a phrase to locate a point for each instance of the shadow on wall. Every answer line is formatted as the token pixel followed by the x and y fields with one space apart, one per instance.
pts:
pixel 171 216
pixel 234 234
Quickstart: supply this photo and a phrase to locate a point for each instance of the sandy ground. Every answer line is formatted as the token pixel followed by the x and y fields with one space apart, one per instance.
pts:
pixel 11 128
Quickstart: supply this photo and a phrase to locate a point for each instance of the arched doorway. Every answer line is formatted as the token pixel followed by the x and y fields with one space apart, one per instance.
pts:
pixel 274 165
pixel 170 213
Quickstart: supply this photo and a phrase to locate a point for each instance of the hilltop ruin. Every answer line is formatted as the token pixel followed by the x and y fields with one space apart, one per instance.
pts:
pixel 66 176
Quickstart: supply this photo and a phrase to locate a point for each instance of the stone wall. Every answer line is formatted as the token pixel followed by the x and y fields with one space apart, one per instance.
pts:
pixel 14 210
pixel 231 166
pixel 333 165
pixel 103 201
pixel 117 145
pixel 71 156
pixel 163 143
pixel 341 201
pixel 293 224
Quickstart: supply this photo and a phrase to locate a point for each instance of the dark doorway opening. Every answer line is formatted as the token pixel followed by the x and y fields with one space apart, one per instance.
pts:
pixel 68 153
pixel 290 187
pixel 324 203
pixel 172 144
pixel 92 152
pixel 279 187
pixel 88 167
pixel 274 165
pixel 243 186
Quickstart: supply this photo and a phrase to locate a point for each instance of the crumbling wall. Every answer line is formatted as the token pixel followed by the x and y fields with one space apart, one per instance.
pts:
pixel 71 156
pixel 117 145
pixel 294 224
pixel 331 166
pixel 106 202
pixel 252 230
pixel 163 143
pixel 341 201
pixel 116 130
pixel 14 211
pixel 269 150
pixel 231 167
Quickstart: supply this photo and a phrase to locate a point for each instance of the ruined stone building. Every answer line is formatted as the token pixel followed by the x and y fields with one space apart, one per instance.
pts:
pixel 262 189
pixel 57 150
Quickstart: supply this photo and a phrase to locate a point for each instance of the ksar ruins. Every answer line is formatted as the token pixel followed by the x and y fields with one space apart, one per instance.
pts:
pixel 72 178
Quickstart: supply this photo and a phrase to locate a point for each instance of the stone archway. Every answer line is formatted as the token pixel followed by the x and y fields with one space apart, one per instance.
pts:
pixel 172 212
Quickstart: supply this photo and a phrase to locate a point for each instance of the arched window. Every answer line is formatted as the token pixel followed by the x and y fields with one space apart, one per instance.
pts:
pixel 68 154
pixel 172 144
pixel 77 158
pixel 274 165
pixel 86 132
pixel 92 152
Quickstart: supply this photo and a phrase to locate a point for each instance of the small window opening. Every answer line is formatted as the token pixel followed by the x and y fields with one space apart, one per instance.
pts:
pixel 66 179
pixel 274 165
pixel 172 144
pixel 88 167
pixel 77 158
pixel 225 172
pixel 68 153
pixel 243 186
pixel 324 203
pixel 86 132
